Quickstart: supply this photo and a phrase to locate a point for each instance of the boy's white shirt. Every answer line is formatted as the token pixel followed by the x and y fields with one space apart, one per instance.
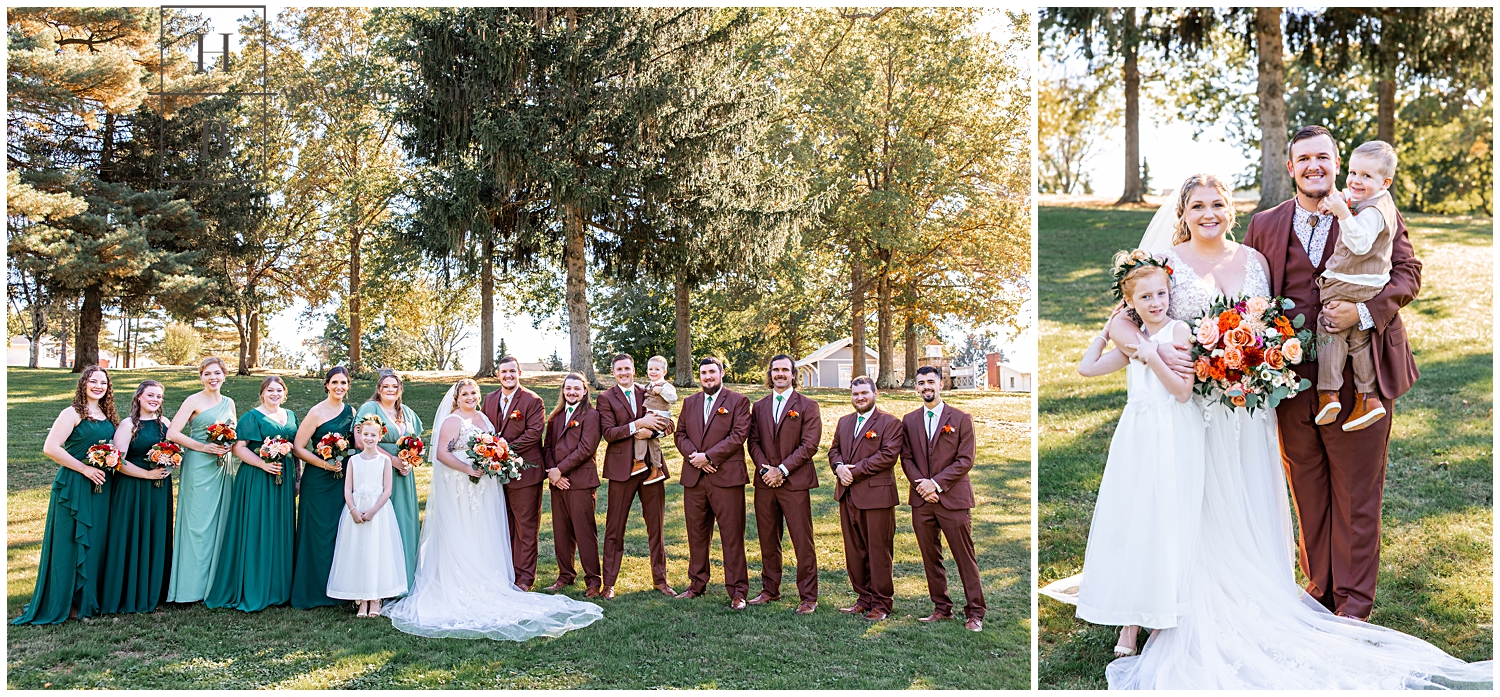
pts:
pixel 1358 232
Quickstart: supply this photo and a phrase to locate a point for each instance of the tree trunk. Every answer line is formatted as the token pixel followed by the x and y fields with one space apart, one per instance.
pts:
pixel 1134 190
pixel 354 318
pixel 911 349
pixel 683 322
pixel 242 328
pixel 857 315
pixel 1385 115
pixel 62 351
pixel 90 322
pixel 1275 181
pixel 38 329
pixel 255 336
pixel 575 295
pixel 794 338
pixel 487 308
pixel 107 147
pixel 885 327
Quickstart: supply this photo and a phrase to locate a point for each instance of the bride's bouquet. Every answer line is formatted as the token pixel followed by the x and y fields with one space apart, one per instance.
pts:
pixel 1244 350
pixel 494 458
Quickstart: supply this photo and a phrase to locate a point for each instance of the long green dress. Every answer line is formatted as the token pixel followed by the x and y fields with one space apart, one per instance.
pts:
pixel 318 513
pixel 72 561
pixel 403 488
pixel 255 560
pixel 139 552
pixel 203 487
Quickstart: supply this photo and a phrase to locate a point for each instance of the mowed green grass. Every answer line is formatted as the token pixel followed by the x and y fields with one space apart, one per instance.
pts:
pixel 645 640
pixel 1436 553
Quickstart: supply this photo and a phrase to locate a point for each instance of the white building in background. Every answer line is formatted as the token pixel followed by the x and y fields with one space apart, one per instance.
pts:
pixel 18 354
pixel 833 364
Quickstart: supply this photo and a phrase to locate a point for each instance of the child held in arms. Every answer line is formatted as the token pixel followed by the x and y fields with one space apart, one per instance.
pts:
pixel 1357 271
pixel 659 398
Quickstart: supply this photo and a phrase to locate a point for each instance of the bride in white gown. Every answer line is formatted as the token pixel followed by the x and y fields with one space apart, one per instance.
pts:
pixel 465 584
pixel 1245 623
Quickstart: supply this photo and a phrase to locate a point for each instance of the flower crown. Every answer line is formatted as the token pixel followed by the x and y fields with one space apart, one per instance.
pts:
pixel 1125 262
pixel 371 419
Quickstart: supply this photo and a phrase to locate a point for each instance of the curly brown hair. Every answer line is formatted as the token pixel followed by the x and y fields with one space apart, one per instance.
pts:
pixel 106 403
pixel 135 406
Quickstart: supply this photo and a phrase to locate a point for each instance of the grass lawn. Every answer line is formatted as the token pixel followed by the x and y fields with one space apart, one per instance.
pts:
pixel 1436 553
pixel 645 640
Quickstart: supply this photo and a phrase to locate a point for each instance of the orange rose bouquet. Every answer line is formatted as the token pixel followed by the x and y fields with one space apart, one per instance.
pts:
pixel 222 433
pixel 409 449
pixel 1244 351
pixel 105 456
pixel 165 454
pixel 492 456
pixel 275 449
pixel 334 448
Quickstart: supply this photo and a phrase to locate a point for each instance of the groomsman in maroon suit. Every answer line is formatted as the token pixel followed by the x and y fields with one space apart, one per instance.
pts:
pixel 622 421
pixel 572 439
pixel 937 456
pixel 785 428
pixel 711 432
pixel 865 447
pixel 521 419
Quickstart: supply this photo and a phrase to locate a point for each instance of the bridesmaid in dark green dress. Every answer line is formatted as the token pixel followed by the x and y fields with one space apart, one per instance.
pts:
pixel 138 554
pixel 400 421
pixel 69 571
pixel 255 559
pixel 322 499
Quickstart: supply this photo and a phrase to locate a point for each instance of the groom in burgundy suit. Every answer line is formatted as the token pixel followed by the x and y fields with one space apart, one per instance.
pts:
pixel 1337 477
pixel 520 418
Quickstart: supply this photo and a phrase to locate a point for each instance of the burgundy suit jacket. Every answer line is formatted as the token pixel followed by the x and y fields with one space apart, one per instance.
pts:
pixel 946 459
pixel 614 427
pixel 570 446
pixel 1271 234
pixel 872 454
pixel 722 438
pixel 523 429
pixel 793 442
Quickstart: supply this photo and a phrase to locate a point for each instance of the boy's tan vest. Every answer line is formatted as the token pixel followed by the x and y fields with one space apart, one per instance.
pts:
pixel 1378 260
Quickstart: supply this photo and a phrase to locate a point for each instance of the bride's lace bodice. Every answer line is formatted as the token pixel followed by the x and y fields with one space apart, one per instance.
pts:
pixel 1192 294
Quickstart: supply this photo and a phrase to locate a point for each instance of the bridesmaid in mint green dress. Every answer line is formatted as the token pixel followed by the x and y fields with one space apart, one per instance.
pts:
pixel 203 485
pixel 400 421
pixel 322 495
pixel 69 571
pixel 138 554
pixel 254 570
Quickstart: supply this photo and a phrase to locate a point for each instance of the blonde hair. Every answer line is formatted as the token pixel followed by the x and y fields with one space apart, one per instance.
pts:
pixel 1182 233
pixel 370 420
pixel 458 389
pixel 1382 153
pixel 657 359
pixel 213 360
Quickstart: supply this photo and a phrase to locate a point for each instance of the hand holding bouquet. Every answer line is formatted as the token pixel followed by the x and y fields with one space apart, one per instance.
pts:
pixel 334 449
pixel 221 434
pixel 275 449
pixel 1244 350
pixel 106 457
pixel 493 457
pixel 409 451
pixel 166 455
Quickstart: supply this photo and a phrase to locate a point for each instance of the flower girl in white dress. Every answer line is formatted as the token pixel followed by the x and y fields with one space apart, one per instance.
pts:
pixel 368 560
pixel 1146 515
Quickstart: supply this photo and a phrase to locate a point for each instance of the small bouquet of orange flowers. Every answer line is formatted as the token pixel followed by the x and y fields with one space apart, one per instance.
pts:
pixel 106 457
pixel 275 449
pixel 165 454
pixel 1244 350
pixel 494 458
pixel 221 433
pixel 334 448
pixel 409 450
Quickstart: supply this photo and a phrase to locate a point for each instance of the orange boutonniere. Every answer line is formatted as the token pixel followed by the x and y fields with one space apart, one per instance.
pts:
pixel 515 414
pixel 948 428
pixel 793 414
pixel 722 410
pixel 572 424
pixel 870 434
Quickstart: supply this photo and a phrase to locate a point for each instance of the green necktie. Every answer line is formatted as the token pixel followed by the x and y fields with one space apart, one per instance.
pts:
pixel 778 408
pixel 708 408
pixel 929 424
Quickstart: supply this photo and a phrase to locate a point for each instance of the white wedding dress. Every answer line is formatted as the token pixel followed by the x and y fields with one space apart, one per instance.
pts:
pixel 465 583
pixel 1245 623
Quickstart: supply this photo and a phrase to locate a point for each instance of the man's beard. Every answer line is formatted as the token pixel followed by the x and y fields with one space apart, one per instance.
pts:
pixel 1310 193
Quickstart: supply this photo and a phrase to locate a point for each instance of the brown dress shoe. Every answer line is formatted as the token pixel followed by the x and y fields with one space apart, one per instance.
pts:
pixel 1328 407
pixel 763 598
pixel 609 593
pixel 688 594
pixel 974 624
pixel 557 586
pixel 935 616
pixel 525 589
pixel 857 608
pixel 1367 410
pixel 593 592
pixel 877 615
pixel 806 607
pixel 666 589
pixel 736 603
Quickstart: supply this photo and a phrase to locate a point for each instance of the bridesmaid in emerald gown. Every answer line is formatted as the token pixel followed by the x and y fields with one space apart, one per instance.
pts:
pixel 202 485
pixel 322 500
pixel 254 570
pixel 69 571
pixel 400 421
pixel 138 554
